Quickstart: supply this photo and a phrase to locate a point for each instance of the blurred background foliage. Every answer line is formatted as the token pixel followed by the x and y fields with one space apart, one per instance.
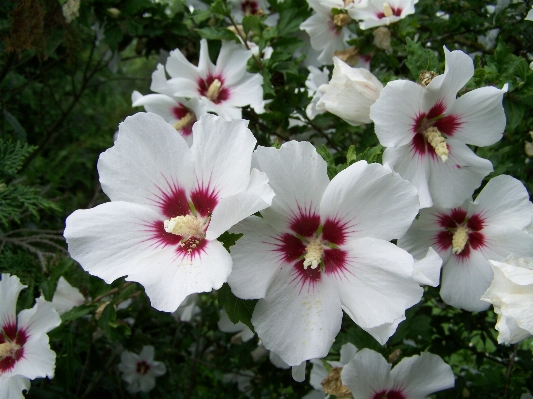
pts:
pixel 66 85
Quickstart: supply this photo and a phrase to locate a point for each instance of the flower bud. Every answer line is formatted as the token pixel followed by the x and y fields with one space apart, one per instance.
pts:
pixel 350 93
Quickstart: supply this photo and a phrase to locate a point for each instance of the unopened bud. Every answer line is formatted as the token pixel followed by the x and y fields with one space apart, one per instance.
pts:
pixel 341 19
pixel 426 77
pixel 350 56
pixel 113 12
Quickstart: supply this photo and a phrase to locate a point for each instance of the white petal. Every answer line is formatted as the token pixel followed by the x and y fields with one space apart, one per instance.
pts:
pixel 298 176
pixel 168 277
pixel 178 66
pixel 376 286
pixel 277 361
pixel 505 201
pixel 458 71
pixel 298 372
pixel 12 386
pixel 110 240
pixel 66 296
pixel 205 66
pixel 247 91
pixel 234 208
pixel 427 269
pixel 370 201
pixel 465 280
pixel 419 376
pixel 298 321
pixel 222 153
pixel 318 374
pixel 502 241
pixel 231 62
pixel 147 383
pixel 148 161
pixel 395 111
pixel 347 353
pixel 10 287
pixel 38 359
pixel 160 82
pixel 147 353
pixel 481 116
pixel 158 369
pixel 453 181
pixel 256 258
pixel 423 234
pixel 367 373
pixel 412 167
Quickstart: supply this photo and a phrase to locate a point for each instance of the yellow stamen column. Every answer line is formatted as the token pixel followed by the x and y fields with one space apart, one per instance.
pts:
pixel 435 139
pixel 459 240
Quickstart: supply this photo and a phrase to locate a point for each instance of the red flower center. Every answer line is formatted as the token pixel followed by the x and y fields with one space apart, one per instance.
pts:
pixel 445 124
pixel 459 221
pixel 300 248
pixel 11 346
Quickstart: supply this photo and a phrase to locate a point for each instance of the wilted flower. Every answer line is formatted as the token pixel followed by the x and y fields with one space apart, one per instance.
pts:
pixel 139 371
pixel 323 247
pixel 350 93
pixel 25 353
pixel 426 131
pixel 169 204
pixel 466 237
pixel 369 376
pixel 511 294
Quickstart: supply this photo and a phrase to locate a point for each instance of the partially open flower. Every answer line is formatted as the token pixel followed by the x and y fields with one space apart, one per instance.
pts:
pixel 350 93
pixel 511 294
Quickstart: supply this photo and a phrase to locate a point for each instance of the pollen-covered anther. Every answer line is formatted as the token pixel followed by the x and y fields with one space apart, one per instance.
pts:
pixel 8 349
pixel 186 226
pixel 435 139
pixel 387 10
pixel 189 118
pixel 459 240
pixel 313 256
pixel 332 384
pixel 341 19
pixel 347 2
pixel 214 89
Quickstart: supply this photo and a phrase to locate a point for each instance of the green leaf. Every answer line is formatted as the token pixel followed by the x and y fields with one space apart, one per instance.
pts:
pixel 12 155
pixel 236 308
pixel 78 312
pixel 290 22
pixel 351 155
pixel 229 239
pixel 219 8
pixel 515 112
pixel 420 59
pixel 372 154
pixel 250 23
pixel 213 33
pixel 20 133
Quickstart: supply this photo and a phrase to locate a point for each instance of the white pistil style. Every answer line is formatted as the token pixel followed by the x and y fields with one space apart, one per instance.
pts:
pixel 459 240
pixel 314 253
pixel 214 89
pixel 189 118
pixel 387 10
pixel 186 226
pixel 435 139
pixel 8 349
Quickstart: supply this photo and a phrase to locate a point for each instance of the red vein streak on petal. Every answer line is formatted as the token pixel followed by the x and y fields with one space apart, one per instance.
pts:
pixel 173 202
pixel 334 232
pixel 334 261
pixel 448 124
pixel 475 223
pixel 443 240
